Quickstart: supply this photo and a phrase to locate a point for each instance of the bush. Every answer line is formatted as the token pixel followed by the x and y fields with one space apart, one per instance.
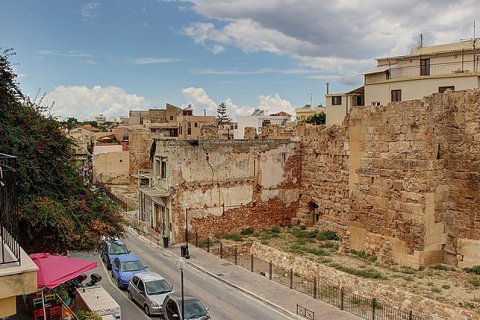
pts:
pixel 275 230
pixel 233 237
pixel 440 267
pixel 327 235
pixel 318 252
pixel 474 281
pixel 474 269
pixel 247 231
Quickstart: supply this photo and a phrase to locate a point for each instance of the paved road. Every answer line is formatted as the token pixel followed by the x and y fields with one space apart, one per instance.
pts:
pixel 223 301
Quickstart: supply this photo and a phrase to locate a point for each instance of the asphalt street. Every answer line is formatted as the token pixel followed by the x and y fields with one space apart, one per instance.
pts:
pixel 223 301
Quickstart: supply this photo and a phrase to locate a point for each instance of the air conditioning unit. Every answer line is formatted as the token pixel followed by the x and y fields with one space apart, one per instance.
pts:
pixel 375 103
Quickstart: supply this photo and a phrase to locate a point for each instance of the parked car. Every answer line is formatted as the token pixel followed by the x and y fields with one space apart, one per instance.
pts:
pixel 124 267
pixel 110 248
pixel 149 290
pixel 193 307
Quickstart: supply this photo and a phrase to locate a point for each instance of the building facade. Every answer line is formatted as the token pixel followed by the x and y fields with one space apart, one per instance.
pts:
pixel 258 120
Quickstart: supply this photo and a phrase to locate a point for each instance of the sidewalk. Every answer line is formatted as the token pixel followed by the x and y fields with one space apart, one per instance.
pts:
pixel 275 295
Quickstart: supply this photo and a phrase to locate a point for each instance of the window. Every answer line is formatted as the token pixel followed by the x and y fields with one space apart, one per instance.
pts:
pixel 265 123
pixel 396 95
pixel 443 89
pixel 157 167
pixel 135 280
pixel 141 286
pixel 164 169
pixel 336 100
pixel 189 128
pixel 196 124
pixel 424 67
pixel 171 308
pixel 171 118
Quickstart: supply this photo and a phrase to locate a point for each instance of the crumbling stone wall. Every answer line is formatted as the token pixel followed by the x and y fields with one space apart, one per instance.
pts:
pixel 230 185
pixel 402 180
pixel 139 153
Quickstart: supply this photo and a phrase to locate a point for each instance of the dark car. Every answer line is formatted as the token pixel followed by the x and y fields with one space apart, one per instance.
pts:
pixel 110 249
pixel 193 308
pixel 124 267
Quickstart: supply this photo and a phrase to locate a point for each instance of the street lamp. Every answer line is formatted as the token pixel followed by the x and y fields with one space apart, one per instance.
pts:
pixel 187 253
pixel 181 264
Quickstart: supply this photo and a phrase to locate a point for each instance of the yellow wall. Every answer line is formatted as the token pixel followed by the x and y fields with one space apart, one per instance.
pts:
pixel 8 307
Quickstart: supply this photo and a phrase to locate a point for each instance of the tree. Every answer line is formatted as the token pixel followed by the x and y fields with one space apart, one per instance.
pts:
pixel 57 211
pixel 222 117
pixel 70 123
pixel 318 118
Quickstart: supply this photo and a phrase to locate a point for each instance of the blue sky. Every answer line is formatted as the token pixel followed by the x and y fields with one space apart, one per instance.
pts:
pixel 91 57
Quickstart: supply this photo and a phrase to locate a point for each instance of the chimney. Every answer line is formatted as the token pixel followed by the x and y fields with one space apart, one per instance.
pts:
pixel 328 87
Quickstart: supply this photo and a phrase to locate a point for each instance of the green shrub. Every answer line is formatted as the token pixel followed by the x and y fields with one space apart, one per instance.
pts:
pixel 364 273
pixel 474 269
pixel 318 252
pixel 247 231
pixel 440 267
pixel 445 286
pixel 474 281
pixel 275 230
pixel 436 290
pixel 303 227
pixel 233 237
pixel 327 235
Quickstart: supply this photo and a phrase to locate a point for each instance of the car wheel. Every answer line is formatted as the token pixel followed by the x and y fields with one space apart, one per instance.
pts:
pixel 130 295
pixel 118 284
pixel 147 311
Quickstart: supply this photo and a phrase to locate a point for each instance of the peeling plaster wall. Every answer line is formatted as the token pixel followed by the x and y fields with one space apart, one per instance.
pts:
pixel 231 185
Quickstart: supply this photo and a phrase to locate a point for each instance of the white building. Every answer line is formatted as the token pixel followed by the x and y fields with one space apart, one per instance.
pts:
pixel 258 120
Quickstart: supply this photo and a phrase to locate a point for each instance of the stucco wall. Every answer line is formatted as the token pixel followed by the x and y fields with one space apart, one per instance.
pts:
pixel 231 185
pixel 112 167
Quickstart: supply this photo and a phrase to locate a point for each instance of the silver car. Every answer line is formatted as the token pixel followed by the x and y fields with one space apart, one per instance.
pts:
pixel 149 290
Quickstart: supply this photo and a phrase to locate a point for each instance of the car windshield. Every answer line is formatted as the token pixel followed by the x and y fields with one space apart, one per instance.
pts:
pixel 117 248
pixel 131 266
pixel 194 310
pixel 157 287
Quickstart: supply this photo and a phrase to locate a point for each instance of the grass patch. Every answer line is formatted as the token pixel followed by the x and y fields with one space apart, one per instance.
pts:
pixel 327 235
pixel 318 252
pixel 363 255
pixel 474 269
pixel 364 273
pixel 474 281
pixel 247 231
pixel 329 245
pixel 440 267
pixel 445 286
pixel 234 237
pixel 436 290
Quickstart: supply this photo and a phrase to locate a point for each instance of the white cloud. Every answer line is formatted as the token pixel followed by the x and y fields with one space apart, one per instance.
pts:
pixel 90 10
pixel 84 103
pixel 153 60
pixel 200 101
pixel 337 37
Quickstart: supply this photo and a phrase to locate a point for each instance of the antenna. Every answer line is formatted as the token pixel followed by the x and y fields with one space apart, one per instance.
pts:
pixel 311 94
pixel 421 40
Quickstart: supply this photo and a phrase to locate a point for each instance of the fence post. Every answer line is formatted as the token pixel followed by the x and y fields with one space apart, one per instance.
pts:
pixel 270 270
pixel 314 287
pixel 196 239
pixel 374 305
pixel 251 262
pixel 221 250
pixel 208 244
pixel 410 315
pixel 341 298
pixel 235 252
pixel 291 278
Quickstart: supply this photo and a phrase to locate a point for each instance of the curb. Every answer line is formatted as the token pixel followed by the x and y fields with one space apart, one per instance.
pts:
pixel 203 270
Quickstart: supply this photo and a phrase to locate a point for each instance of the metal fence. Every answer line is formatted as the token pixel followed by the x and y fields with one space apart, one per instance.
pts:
pixel 358 305
pixel 10 248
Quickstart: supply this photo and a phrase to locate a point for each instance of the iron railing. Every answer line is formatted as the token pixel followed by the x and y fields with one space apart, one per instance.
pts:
pixel 363 307
pixel 10 247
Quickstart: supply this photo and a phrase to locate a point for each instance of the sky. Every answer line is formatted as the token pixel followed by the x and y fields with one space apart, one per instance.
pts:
pixel 83 58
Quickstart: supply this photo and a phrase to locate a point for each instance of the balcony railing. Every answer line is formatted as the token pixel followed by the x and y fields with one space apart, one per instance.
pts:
pixel 425 71
pixel 10 248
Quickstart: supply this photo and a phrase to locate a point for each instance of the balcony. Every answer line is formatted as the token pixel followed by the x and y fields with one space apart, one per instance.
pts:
pixel 10 249
pixel 417 71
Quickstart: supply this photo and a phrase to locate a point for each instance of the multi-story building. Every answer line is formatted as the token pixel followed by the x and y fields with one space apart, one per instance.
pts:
pixel 424 71
pixel 258 120
pixel 18 273
pixel 189 126
pixel 305 112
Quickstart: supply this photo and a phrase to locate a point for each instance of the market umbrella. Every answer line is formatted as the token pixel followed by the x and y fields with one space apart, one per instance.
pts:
pixel 55 270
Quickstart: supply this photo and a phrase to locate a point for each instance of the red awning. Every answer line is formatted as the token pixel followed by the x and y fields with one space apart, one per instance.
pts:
pixel 55 270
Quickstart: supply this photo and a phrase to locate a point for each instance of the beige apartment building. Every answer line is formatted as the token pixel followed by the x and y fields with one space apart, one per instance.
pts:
pixel 424 71
pixel 303 113
pixel 189 126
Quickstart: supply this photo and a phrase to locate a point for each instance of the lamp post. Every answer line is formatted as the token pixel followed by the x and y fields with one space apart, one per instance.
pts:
pixel 181 264
pixel 187 253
